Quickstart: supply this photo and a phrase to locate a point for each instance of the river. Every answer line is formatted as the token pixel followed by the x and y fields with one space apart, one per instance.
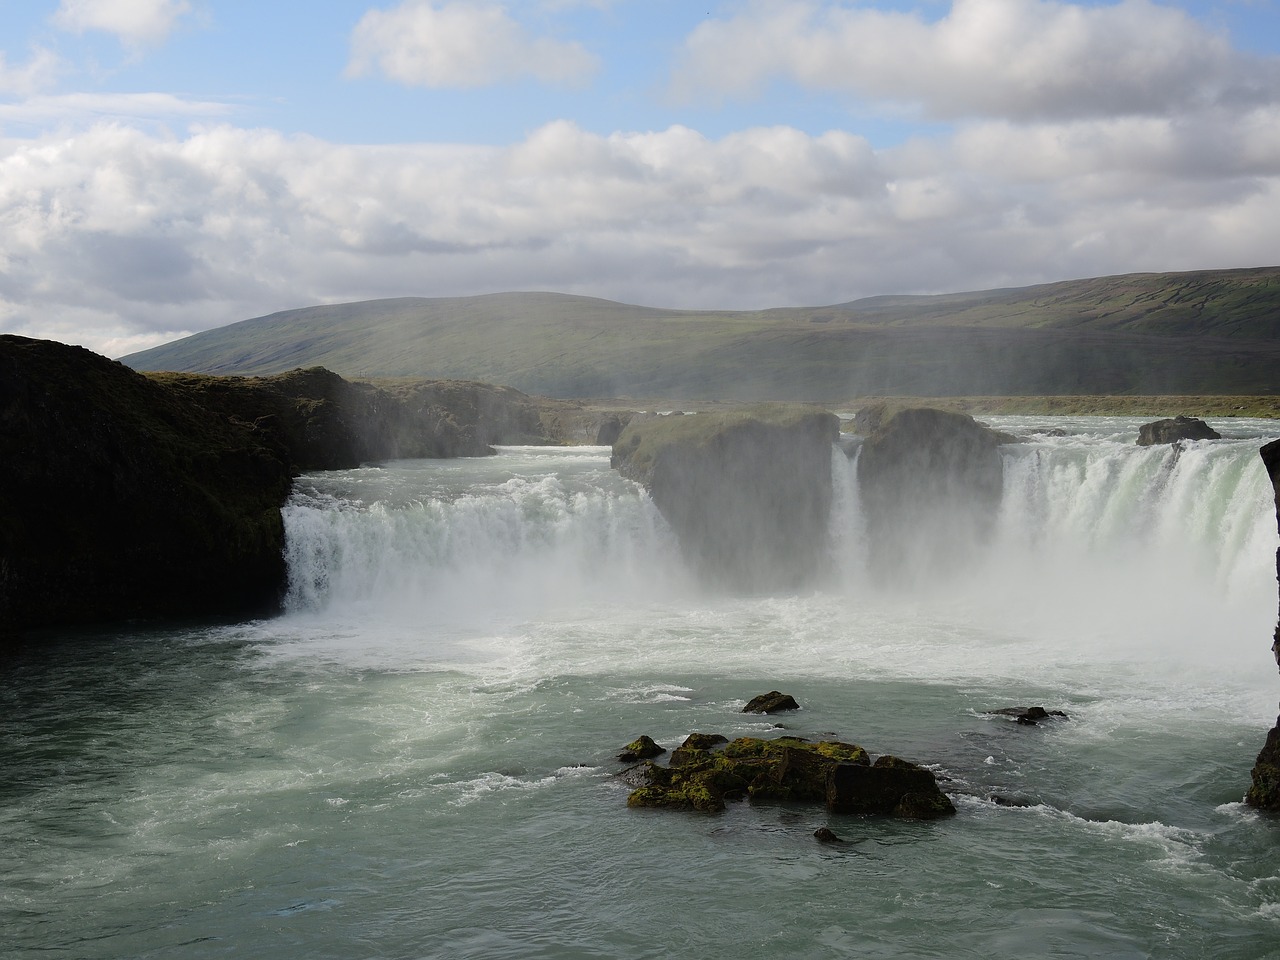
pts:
pixel 416 760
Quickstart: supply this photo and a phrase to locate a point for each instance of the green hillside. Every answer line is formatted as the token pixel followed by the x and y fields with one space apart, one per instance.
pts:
pixel 1207 332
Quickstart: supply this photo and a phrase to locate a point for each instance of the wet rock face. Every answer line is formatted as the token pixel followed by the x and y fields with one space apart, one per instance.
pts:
pixel 771 702
pixel 1028 716
pixel 1174 429
pixel 931 482
pixel 1264 791
pixel 748 493
pixel 1264 788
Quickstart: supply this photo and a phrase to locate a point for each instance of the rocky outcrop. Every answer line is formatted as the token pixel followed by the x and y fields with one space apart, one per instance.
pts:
pixel 611 427
pixel 771 702
pixel 931 482
pixel 1174 429
pixel 713 772
pixel 316 420
pixel 120 498
pixel 641 748
pixel 1264 791
pixel 126 495
pixel 748 493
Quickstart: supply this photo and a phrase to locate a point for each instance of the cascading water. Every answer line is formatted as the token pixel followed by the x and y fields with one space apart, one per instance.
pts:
pixel 416 759
pixel 547 532
pixel 1109 549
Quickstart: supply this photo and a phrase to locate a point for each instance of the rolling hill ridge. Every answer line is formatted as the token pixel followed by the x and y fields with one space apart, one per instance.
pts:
pixel 1204 332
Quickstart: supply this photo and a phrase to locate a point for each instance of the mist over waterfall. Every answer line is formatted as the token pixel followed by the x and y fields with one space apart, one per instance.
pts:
pixel 1098 546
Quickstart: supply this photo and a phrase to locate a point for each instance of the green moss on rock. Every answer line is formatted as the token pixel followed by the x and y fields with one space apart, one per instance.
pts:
pixel 791 770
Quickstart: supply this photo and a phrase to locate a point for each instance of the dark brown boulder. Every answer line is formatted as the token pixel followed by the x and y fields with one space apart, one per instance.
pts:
pixel 1174 429
pixel 641 748
pixel 1028 716
pixel 1264 789
pixel 771 702
pixel 611 428
pixel 891 786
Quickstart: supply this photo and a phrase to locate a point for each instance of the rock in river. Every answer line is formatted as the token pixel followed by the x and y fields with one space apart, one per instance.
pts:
pixel 790 769
pixel 1175 429
pixel 747 492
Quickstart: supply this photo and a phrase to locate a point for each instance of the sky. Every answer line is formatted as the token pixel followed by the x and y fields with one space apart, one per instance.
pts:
pixel 169 166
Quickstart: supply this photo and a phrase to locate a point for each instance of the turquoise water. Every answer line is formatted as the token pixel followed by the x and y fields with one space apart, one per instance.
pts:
pixel 417 759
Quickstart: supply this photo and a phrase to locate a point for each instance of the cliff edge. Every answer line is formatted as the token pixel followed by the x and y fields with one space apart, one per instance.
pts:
pixel 122 499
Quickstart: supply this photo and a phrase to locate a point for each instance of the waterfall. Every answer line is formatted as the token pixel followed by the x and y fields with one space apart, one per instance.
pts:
pixel 1095 538
pixel 432 539
pixel 1105 548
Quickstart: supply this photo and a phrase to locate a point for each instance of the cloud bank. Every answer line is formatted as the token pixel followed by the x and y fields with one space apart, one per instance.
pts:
pixel 1015 59
pixel 139 237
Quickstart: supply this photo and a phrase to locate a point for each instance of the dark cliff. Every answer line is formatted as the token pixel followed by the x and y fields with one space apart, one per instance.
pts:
pixel 120 498
pixel 748 493
pixel 1264 792
pixel 126 495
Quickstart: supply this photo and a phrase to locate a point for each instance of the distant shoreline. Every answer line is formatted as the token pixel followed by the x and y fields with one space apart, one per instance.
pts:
pixel 1260 407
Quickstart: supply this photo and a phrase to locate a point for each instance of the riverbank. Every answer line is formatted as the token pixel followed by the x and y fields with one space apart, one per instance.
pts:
pixel 1262 407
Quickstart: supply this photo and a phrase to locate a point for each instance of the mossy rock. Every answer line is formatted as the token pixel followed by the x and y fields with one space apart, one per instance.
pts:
pixel 704 787
pixel 641 749
pixel 790 770
pixel 844 752
pixel 696 748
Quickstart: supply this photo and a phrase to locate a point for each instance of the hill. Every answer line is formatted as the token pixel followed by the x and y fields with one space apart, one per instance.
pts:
pixel 1206 332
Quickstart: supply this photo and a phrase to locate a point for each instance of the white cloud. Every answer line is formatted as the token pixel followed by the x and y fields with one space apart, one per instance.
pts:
pixel 36 74
pixel 81 109
pixel 461 45
pixel 135 22
pixel 118 238
pixel 1017 59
